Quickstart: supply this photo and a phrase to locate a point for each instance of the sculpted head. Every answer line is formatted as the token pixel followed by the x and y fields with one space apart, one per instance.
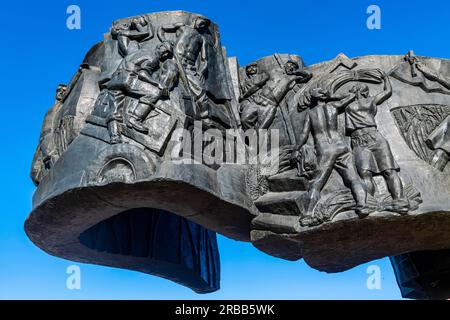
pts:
pixel 139 21
pixel 164 50
pixel 121 25
pixel 251 69
pixel 60 92
pixel 361 89
pixel 201 23
pixel 291 67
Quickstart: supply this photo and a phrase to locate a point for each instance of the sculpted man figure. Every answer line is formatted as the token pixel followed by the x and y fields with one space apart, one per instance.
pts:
pixel 190 51
pixel 161 72
pixel 372 152
pixel 439 139
pixel 46 153
pixel 254 82
pixel 332 150
pixel 260 100
pixel 135 87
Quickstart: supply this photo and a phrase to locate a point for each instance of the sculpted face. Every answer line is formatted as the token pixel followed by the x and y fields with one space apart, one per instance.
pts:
pixel 124 25
pixel 365 92
pixel 164 50
pixel 361 89
pixel 138 21
pixel 60 92
pixel 201 23
pixel 251 69
pixel 290 67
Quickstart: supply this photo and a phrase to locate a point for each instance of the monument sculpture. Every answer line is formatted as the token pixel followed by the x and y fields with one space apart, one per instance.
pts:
pixel 338 163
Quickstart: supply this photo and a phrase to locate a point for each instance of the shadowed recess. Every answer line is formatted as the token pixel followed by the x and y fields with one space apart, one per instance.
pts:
pixel 187 251
pixel 424 274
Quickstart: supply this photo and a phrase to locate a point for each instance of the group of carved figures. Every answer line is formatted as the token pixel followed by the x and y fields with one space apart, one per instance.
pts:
pixel 153 74
pixel 148 73
pixel 354 148
pixel 150 78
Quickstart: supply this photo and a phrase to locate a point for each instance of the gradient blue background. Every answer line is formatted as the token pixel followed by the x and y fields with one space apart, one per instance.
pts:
pixel 38 52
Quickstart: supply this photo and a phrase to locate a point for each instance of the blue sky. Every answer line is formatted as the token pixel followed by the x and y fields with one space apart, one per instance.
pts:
pixel 38 52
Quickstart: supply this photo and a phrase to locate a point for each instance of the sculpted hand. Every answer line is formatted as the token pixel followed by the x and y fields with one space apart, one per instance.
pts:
pixel 285 157
pixel 165 92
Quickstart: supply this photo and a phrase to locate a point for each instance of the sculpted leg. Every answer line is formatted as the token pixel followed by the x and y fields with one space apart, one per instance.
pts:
pixel 367 177
pixel 113 129
pixel 346 168
pixel 140 113
pixel 323 173
pixel 394 184
pixel 395 187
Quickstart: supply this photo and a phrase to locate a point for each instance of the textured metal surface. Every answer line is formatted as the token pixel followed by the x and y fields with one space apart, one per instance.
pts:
pixel 362 157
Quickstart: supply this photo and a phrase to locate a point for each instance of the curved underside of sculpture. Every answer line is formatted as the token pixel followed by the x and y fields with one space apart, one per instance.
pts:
pixel 160 141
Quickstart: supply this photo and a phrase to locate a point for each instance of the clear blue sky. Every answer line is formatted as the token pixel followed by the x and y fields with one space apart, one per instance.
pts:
pixel 38 52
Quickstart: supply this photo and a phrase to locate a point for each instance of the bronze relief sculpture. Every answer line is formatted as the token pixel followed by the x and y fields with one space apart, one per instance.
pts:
pixel 361 148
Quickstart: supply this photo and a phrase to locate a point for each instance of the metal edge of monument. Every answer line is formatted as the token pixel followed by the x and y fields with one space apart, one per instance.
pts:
pixel 160 141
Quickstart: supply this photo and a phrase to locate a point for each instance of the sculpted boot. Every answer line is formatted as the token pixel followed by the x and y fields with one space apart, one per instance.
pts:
pixel 138 115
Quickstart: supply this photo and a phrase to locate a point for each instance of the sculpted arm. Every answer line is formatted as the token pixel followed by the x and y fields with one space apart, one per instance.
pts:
pixel 385 94
pixel 203 59
pixel 306 130
pixel 431 74
pixel 349 98
pixel 253 85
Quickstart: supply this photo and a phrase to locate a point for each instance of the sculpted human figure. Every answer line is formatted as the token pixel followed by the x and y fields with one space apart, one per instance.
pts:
pixel 254 82
pixel 136 87
pixel 332 150
pixel 263 94
pixel 433 75
pixel 190 51
pixel 163 75
pixel 416 72
pixel 432 81
pixel 130 33
pixel 373 155
pixel 46 153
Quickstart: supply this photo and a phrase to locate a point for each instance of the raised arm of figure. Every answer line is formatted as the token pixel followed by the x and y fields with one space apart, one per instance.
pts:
pixel 433 75
pixel 386 93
